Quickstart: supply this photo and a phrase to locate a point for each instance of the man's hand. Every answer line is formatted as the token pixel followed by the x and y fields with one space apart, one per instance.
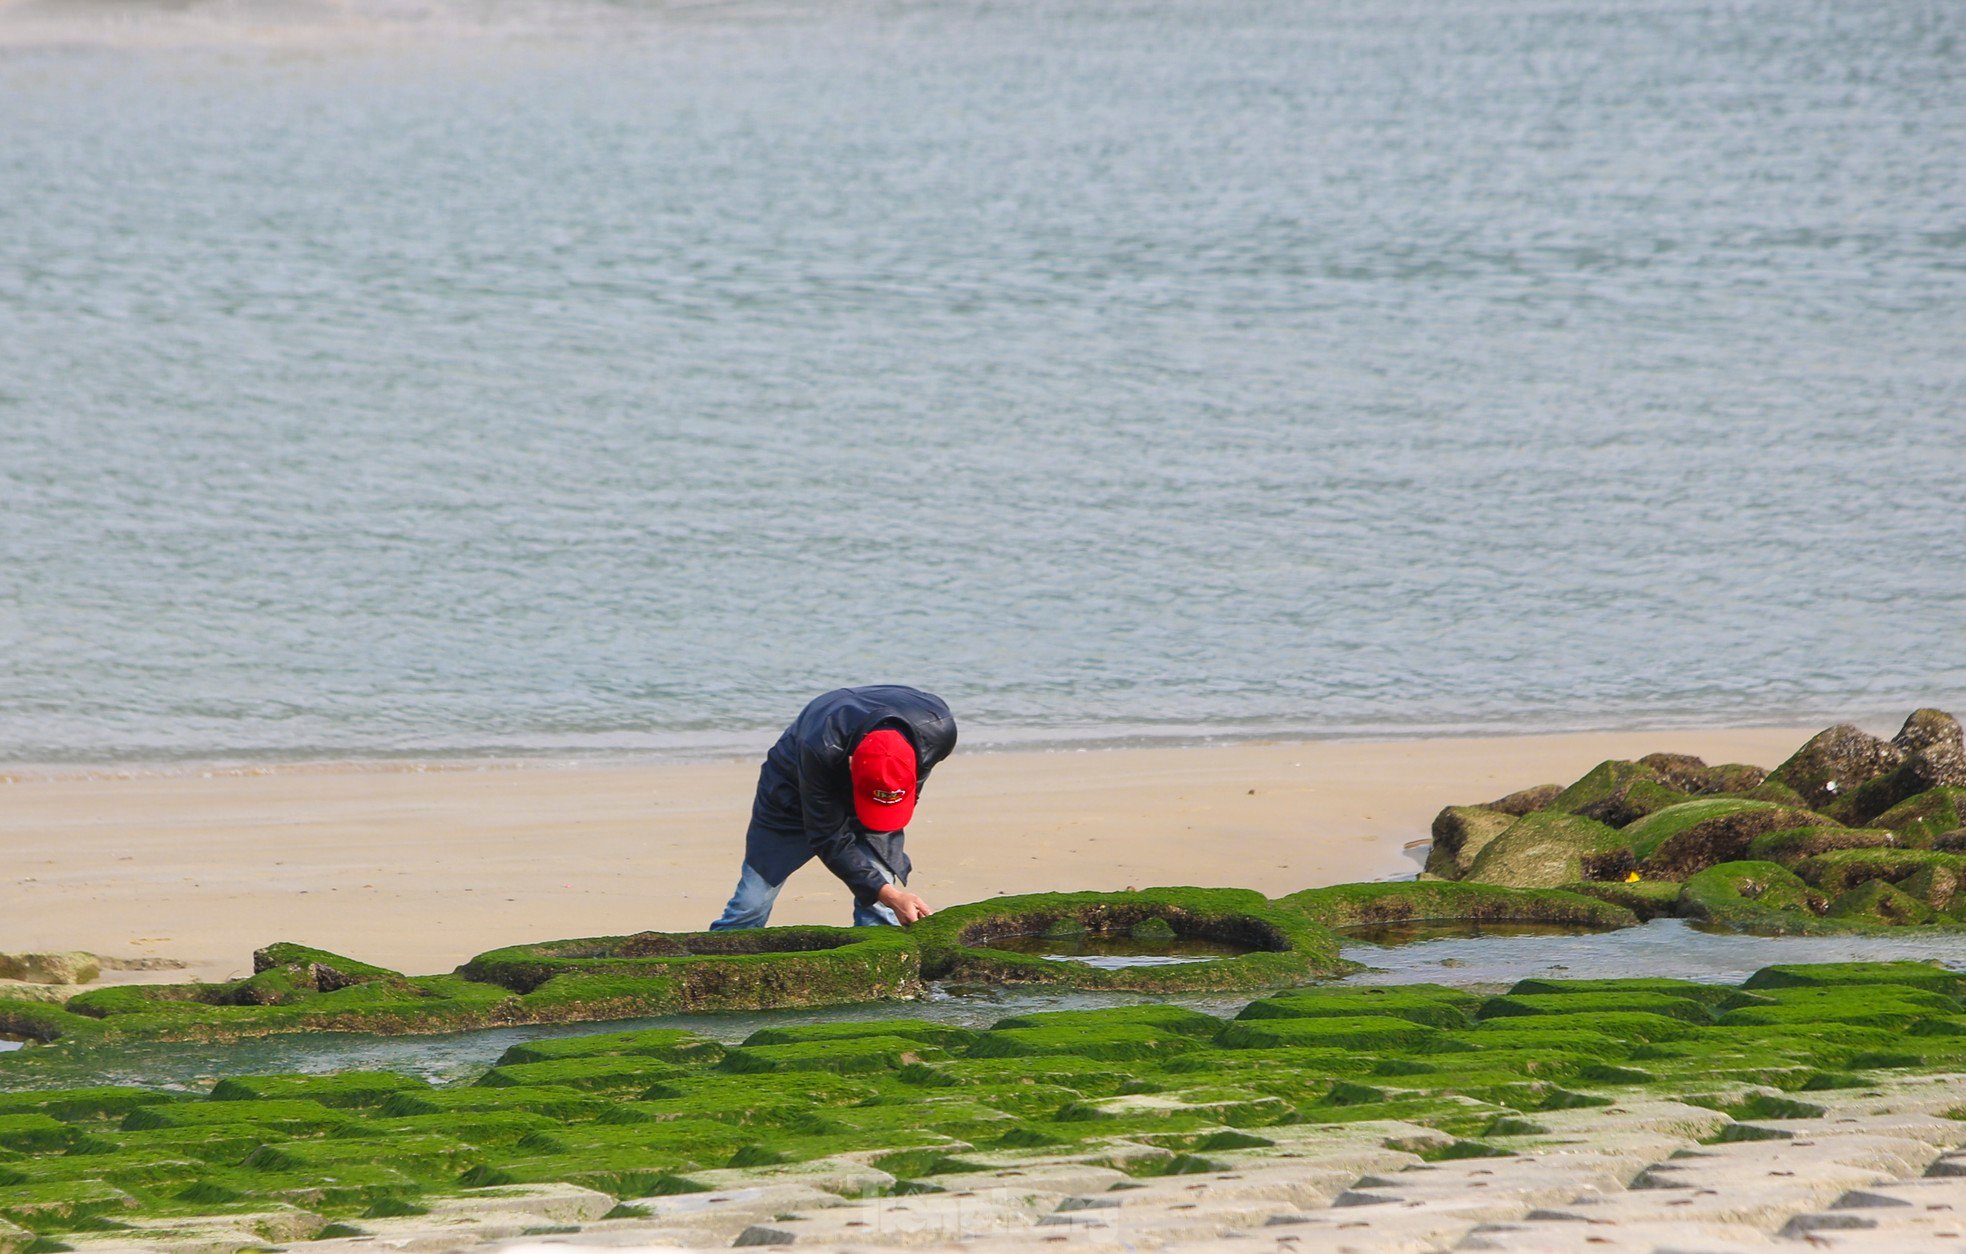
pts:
pixel 906 906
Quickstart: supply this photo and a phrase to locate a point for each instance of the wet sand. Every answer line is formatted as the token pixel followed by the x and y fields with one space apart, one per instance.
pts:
pixel 420 867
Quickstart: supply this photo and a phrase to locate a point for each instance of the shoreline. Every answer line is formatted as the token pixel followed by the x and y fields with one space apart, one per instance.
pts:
pixel 990 742
pixel 420 869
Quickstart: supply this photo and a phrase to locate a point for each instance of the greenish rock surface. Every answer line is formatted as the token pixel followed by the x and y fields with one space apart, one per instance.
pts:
pixel 1836 762
pixel 1547 849
pixel 1364 905
pixel 1153 1090
pixel 1283 945
pixel 1460 833
pixel 1920 820
pixel 67 967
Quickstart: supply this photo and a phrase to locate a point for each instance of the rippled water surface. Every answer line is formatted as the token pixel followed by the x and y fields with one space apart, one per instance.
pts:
pixel 563 377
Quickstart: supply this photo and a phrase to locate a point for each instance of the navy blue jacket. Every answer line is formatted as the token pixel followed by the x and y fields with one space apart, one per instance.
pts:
pixel 804 807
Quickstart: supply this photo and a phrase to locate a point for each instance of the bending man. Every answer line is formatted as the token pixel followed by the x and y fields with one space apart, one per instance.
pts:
pixel 840 785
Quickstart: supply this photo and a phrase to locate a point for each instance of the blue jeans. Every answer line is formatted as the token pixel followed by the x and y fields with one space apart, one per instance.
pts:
pixel 750 906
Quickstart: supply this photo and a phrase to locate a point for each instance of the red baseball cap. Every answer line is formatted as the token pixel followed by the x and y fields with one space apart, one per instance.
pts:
pixel 883 769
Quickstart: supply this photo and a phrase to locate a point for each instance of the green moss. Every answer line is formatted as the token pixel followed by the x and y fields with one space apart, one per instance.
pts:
pixel 608 1073
pixel 1708 995
pixel 944 1035
pixel 1919 819
pixel 30 1133
pixel 864 1053
pixel 1548 849
pixel 1761 896
pixel 1646 899
pixel 732 970
pixel 1878 902
pixel 1794 844
pixel 1936 886
pixel 1919 975
pixel 76 1105
pixel 1518 1005
pixel 667 1044
pixel 1840 871
pixel 1460 833
pixel 1649 833
pixel 293 1116
pixel 1599 783
pixel 1366 1032
pixel 1286 947
pixel 1431 1004
pixel 348 1088
pixel 1179 1020
pixel 554 1101
pixel 1363 905
pixel 1119 1042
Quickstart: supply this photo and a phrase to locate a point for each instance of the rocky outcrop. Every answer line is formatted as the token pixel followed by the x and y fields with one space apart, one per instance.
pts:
pixel 1834 763
pixel 71 967
pixel 1928 727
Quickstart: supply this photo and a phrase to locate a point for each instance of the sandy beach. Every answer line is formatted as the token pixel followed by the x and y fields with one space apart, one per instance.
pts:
pixel 419 867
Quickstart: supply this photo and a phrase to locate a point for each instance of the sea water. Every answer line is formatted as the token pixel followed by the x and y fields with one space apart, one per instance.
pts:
pixel 1488 958
pixel 521 377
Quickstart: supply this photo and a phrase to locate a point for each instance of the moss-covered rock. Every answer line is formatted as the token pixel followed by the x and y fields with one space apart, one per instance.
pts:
pixel 1525 800
pixel 1792 845
pixel 1834 763
pixel 1758 896
pixel 743 969
pixel 1915 975
pixel 1841 870
pixel 1548 849
pixel 1928 727
pixel 666 1044
pixel 1879 902
pixel 324 972
pixel 1937 886
pixel 1430 1004
pixel 1941 765
pixel 1680 841
pixel 1599 784
pixel 1460 833
pixel 345 1089
pixel 1365 905
pixel 1918 821
pixel 1284 946
pixel 1646 899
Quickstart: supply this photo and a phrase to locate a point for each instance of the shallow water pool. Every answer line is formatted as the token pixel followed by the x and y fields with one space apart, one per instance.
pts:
pixel 1460 954
pixel 1674 948
pixel 1113 953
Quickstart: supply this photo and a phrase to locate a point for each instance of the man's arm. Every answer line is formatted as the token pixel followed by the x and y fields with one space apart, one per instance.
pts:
pixel 830 832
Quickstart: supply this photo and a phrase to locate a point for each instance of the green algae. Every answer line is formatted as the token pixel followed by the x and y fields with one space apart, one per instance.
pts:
pixel 1792 845
pixel 1920 819
pixel 1460 833
pixel 1763 896
pixel 1879 902
pixel 1548 849
pixel 1361 905
pixel 1282 945
pixel 1430 1004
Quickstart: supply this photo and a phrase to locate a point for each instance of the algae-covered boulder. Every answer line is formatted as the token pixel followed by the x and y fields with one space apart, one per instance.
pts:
pixel 1525 800
pixel 1282 946
pixel 1936 886
pixel 1928 727
pixel 1921 819
pixel 1878 902
pixel 1646 899
pixel 1792 845
pixel 1835 762
pixel 1841 870
pixel 1631 801
pixel 1366 905
pixel 1549 849
pixel 1679 841
pixel 743 969
pixel 1941 765
pixel 1460 833
pixel 1762 896
pixel 1600 784
pixel 69 967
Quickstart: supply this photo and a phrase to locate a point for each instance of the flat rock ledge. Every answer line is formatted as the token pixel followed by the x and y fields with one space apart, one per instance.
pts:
pixel 1880 1168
